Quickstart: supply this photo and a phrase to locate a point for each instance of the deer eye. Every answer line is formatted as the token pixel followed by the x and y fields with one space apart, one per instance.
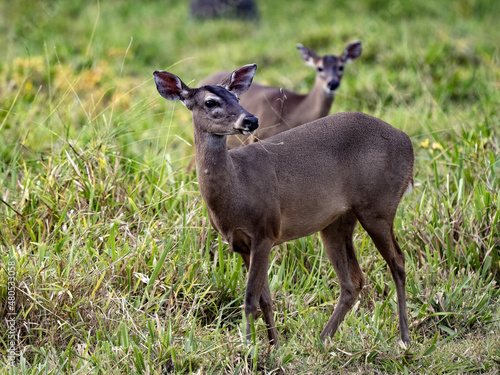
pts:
pixel 341 68
pixel 210 103
pixel 320 69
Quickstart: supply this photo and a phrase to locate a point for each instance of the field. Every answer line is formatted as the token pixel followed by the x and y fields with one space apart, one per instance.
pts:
pixel 108 264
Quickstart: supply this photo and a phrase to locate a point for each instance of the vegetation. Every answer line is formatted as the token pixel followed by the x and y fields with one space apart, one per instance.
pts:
pixel 117 269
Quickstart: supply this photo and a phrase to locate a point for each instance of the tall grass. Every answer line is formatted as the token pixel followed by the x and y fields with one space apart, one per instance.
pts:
pixel 117 269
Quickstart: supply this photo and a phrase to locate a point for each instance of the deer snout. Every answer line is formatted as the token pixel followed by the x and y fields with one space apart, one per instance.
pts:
pixel 247 124
pixel 333 84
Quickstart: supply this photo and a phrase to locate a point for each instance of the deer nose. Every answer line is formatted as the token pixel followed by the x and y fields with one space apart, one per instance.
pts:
pixel 333 84
pixel 247 124
pixel 251 123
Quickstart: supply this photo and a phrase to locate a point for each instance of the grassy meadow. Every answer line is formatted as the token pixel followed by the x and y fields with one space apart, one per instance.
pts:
pixel 116 267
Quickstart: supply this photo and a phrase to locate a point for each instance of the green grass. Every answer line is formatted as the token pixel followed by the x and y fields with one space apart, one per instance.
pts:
pixel 117 269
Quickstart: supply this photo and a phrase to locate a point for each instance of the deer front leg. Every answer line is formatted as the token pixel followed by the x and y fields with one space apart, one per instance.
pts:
pixel 258 289
pixel 266 305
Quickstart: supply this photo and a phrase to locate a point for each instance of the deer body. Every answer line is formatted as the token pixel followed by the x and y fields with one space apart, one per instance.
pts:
pixel 280 176
pixel 323 176
pixel 279 109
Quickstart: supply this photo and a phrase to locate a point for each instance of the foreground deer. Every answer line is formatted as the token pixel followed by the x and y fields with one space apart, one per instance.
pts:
pixel 278 109
pixel 323 176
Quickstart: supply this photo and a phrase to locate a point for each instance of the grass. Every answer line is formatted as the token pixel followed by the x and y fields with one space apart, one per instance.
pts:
pixel 117 269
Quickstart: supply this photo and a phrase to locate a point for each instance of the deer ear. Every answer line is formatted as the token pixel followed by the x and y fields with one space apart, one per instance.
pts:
pixel 351 52
pixel 240 80
pixel 170 86
pixel 308 55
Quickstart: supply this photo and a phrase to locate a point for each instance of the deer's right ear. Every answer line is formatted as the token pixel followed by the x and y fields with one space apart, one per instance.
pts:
pixel 170 86
pixel 308 55
pixel 239 81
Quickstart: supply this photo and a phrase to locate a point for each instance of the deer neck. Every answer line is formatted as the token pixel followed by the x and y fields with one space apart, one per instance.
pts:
pixel 215 170
pixel 317 102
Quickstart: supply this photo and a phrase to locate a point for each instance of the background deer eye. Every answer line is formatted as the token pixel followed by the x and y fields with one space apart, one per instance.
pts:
pixel 210 103
pixel 320 69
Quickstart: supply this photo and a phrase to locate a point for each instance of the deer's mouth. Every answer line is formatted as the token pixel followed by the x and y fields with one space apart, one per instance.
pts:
pixel 246 124
pixel 246 132
pixel 329 93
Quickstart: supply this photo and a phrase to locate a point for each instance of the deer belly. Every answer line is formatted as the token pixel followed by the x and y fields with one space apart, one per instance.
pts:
pixel 296 224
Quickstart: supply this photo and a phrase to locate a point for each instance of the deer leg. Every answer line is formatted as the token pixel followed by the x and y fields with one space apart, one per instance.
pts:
pixel 382 233
pixel 337 239
pixel 266 305
pixel 258 288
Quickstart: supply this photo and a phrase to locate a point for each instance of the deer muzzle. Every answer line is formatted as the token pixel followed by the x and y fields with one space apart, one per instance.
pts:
pixel 333 84
pixel 247 124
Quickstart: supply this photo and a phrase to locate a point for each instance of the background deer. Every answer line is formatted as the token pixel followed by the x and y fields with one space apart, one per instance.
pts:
pixel 278 109
pixel 323 176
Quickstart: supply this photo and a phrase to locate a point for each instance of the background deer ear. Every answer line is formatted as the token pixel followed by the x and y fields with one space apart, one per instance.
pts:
pixel 240 80
pixel 351 52
pixel 170 86
pixel 308 55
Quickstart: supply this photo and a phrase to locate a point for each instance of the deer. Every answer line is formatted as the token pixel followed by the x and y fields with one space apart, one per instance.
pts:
pixel 279 109
pixel 323 176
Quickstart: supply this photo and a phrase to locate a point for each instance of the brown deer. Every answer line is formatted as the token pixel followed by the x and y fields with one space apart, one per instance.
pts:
pixel 323 176
pixel 278 109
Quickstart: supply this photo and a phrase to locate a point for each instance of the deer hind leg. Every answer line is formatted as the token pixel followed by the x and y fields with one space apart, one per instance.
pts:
pixel 337 240
pixel 381 231
pixel 266 305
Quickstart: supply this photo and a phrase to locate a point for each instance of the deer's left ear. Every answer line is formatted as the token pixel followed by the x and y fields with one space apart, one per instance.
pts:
pixel 170 86
pixel 351 52
pixel 239 81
